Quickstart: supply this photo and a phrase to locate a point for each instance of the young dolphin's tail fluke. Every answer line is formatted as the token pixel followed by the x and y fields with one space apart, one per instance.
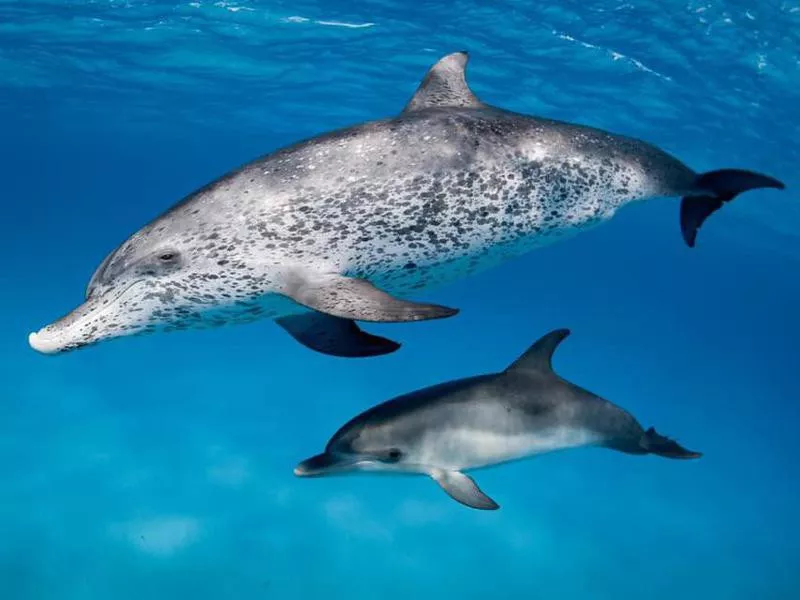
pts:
pixel 713 190
pixel 655 443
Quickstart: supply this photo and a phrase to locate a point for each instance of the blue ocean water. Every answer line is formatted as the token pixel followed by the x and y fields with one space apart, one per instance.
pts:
pixel 161 467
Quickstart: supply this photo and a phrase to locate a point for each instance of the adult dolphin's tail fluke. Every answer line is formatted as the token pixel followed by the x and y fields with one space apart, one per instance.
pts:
pixel 715 188
pixel 446 429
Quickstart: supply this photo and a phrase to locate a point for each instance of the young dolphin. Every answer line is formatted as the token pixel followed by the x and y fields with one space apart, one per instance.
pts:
pixel 443 430
pixel 349 225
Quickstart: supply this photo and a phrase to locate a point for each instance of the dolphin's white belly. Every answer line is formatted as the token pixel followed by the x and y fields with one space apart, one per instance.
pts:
pixel 459 448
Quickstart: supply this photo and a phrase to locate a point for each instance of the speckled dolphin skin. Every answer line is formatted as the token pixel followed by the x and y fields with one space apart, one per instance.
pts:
pixel 343 227
pixel 446 429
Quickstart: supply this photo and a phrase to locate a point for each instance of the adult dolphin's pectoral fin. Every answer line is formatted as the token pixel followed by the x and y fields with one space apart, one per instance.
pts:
pixel 358 299
pixel 335 336
pixel 463 489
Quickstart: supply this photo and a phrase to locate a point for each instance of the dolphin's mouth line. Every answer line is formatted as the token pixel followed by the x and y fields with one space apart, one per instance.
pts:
pixel 117 298
pixel 42 340
pixel 359 464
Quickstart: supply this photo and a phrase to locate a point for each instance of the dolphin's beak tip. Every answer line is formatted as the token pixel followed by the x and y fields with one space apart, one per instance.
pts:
pixel 33 340
pixel 299 471
pixel 38 343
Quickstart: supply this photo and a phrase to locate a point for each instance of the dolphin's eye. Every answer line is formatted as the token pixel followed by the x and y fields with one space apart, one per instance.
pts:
pixel 394 454
pixel 161 262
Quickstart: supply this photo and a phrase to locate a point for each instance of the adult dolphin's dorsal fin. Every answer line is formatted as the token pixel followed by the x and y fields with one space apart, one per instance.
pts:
pixel 445 85
pixel 539 357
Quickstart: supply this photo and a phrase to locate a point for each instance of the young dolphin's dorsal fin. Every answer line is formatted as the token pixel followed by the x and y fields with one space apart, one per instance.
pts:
pixel 539 357
pixel 445 85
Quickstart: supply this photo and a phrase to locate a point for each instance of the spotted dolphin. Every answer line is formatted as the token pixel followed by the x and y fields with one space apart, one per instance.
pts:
pixel 349 225
pixel 444 430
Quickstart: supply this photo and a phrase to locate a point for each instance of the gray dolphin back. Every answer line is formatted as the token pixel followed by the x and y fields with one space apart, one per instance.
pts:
pixel 616 427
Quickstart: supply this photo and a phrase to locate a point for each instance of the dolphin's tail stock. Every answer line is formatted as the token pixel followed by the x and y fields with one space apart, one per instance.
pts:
pixel 713 189
pixel 654 443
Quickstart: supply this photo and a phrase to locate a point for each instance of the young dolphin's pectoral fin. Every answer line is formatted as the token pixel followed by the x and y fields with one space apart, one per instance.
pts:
pixel 358 299
pixel 335 336
pixel 463 489
pixel 714 189
pixel 539 357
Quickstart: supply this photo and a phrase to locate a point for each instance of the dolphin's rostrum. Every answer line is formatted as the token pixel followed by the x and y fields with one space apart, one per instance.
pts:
pixel 444 430
pixel 340 228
